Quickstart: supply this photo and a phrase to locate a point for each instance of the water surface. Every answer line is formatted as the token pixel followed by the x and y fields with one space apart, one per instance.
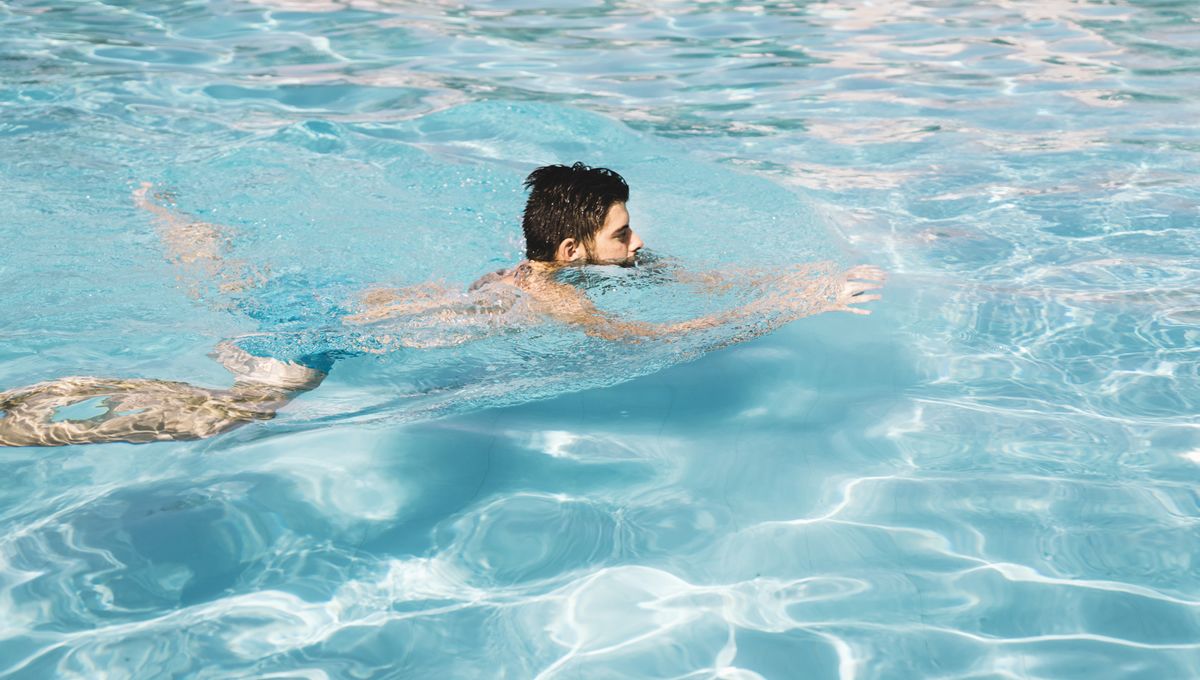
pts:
pixel 994 475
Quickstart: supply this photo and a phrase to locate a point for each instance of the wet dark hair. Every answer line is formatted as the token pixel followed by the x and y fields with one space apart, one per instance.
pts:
pixel 568 202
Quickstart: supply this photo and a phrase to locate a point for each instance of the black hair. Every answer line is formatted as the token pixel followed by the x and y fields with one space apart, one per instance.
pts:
pixel 568 202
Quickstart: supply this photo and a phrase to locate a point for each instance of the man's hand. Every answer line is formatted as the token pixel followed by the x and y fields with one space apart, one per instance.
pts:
pixel 852 286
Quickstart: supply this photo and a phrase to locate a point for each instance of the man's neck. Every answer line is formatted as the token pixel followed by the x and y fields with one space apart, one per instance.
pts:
pixel 542 268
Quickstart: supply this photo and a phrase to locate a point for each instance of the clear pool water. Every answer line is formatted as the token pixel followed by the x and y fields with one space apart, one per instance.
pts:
pixel 994 475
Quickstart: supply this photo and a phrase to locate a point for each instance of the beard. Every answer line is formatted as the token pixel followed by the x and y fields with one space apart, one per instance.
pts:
pixel 628 261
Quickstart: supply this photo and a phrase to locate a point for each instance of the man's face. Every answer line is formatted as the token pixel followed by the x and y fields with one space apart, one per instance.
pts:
pixel 615 243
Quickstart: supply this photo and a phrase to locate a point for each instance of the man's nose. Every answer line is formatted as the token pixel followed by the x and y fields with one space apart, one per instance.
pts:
pixel 636 244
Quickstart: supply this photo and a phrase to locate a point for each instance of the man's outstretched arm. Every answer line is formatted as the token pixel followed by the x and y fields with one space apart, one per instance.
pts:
pixel 799 295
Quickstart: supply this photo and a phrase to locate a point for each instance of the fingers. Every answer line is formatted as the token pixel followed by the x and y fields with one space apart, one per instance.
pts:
pixel 859 280
pixel 855 301
pixel 866 272
pixel 855 288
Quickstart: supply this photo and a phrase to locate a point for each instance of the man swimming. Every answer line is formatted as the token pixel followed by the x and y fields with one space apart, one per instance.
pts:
pixel 575 216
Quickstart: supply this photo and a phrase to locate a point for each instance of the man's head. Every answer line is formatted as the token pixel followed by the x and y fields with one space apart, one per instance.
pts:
pixel 577 214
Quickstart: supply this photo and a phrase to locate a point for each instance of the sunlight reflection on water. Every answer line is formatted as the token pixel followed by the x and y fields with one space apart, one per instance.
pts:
pixel 992 475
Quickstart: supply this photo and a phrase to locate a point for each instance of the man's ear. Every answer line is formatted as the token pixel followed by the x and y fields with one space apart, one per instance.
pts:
pixel 568 251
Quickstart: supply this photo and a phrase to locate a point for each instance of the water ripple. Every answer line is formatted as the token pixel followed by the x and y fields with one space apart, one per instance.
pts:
pixel 992 476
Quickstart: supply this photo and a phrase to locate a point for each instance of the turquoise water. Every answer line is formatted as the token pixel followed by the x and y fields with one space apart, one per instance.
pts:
pixel 994 475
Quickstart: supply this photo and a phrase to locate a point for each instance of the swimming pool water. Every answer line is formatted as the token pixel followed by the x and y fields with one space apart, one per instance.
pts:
pixel 993 475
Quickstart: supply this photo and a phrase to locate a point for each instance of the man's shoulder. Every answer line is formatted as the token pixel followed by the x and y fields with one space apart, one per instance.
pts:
pixel 487 279
pixel 516 275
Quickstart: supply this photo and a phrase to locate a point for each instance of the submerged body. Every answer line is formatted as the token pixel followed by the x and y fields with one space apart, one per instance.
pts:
pixel 142 410
pixel 269 375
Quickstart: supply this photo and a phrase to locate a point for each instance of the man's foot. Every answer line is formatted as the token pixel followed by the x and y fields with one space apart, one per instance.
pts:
pixel 248 369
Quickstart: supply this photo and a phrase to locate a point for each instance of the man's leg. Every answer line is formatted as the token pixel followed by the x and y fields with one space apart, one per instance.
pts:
pixel 141 410
pixel 133 411
pixel 199 248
